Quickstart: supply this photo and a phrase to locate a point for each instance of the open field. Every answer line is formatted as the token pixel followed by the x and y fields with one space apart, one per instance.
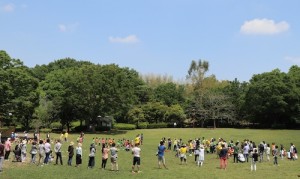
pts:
pixel 210 169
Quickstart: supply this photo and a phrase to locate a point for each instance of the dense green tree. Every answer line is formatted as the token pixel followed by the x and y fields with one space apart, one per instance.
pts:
pixel 269 99
pixel 18 95
pixel 169 93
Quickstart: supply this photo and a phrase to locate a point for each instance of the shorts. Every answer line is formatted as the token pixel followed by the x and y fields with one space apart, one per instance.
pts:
pixel 113 159
pixel 136 160
pixel 161 159
pixel 183 156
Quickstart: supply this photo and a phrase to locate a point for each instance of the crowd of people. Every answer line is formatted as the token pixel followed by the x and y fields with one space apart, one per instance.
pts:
pixel 43 151
pixel 243 151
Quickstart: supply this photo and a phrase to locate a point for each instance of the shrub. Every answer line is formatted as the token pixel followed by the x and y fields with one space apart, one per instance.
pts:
pixel 157 125
pixel 55 125
pixel 45 130
pixel 142 125
pixel 123 126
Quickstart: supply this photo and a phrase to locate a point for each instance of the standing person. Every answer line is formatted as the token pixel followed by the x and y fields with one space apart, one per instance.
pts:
pixel 246 151
pixel 48 135
pixel 236 153
pixel 254 160
pixel 91 163
pixel 114 157
pixel 1 155
pixel 161 155
pixel 78 154
pixel 66 136
pixel 41 151
pixel 23 150
pixel 105 151
pixel 71 153
pixel 47 147
pixel 142 138
pixel 275 155
pixel 223 157
pixel 201 156
pixel 7 149
pixel 33 151
pixel 196 153
pixel 136 151
pixel 182 154
pixel 292 152
pixel 57 150
pixel 268 151
pixel 261 149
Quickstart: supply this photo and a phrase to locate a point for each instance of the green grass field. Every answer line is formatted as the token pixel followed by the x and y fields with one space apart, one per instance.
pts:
pixel 210 169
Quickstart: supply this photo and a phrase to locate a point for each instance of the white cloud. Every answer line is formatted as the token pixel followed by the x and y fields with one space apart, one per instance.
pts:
pixel 294 60
pixel 68 27
pixel 8 8
pixel 264 27
pixel 127 39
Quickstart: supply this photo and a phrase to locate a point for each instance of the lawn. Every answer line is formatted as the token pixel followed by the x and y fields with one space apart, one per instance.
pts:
pixel 210 169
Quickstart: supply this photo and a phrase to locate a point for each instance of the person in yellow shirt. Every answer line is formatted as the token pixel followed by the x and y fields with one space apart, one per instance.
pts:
pixel 182 154
pixel 66 136
pixel 137 140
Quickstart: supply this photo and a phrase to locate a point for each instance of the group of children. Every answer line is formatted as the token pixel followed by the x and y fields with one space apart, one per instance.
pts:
pixel 241 151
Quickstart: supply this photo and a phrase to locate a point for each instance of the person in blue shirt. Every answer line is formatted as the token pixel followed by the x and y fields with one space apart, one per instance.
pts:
pixel 161 155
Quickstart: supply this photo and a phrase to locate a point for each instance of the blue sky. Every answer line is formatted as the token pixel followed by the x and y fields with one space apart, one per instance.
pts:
pixel 238 38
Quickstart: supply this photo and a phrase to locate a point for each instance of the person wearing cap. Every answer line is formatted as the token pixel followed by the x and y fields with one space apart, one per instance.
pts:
pixel 23 150
pixel 201 156
pixel 71 153
pixel 182 154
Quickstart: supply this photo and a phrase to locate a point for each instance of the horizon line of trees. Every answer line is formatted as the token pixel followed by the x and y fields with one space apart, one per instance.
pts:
pixel 68 90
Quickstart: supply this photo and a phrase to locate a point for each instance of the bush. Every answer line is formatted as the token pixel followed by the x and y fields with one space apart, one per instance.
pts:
pixel 45 130
pixel 157 125
pixel 142 125
pixel 55 125
pixel 123 126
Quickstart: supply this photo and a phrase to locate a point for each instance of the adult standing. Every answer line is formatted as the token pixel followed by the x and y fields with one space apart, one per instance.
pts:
pixel 246 151
pixel 236 153
pixel 275 155
pixel 33 151
pixel 292 152
pixel 1 155
pixel 41 151
pixel 105 151
pixel 161 155
pixel 201 156
pixel 7 148
pixel 78 154
pixel 254 160
pixel 23 150
pixel 223 157
pixel 114 157
pixel 71 153
pixel 136 151
pixel 57 150
pixel 47 147
pixel 91 163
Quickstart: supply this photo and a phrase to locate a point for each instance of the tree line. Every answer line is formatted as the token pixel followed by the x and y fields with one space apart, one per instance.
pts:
pixel 68 90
